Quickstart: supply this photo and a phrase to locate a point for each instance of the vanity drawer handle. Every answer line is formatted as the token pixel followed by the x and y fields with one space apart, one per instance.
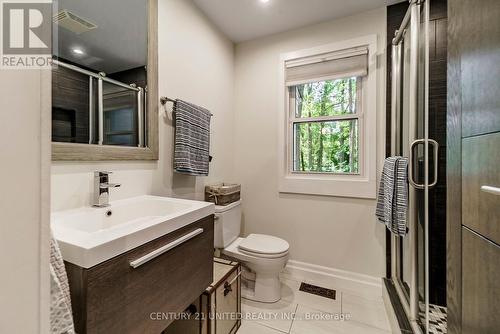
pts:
pixel 157 252
pixel 491 190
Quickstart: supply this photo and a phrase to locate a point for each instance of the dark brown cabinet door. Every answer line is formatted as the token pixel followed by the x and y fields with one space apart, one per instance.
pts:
pixel 480 178
pixel 480 58
pixel 480 284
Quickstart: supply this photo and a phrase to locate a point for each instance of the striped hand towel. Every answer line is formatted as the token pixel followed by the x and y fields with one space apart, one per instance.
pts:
pixel 192 139
pixel 392 203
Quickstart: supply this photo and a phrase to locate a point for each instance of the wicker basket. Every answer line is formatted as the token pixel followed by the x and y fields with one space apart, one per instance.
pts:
pixel 223 193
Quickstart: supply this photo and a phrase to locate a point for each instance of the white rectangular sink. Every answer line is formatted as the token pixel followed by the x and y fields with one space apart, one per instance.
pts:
pixel 88 236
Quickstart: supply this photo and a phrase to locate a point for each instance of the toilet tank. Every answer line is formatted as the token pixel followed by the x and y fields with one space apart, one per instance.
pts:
pixel 227 224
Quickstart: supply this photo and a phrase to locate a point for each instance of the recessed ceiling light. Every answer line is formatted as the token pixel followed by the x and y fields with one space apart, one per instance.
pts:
pixel 264 1
pixel 77 51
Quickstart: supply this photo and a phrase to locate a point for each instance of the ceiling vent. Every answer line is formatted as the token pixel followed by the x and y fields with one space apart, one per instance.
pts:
pixel 72 22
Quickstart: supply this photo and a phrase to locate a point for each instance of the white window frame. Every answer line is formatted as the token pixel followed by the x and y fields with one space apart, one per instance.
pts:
pixel 359 185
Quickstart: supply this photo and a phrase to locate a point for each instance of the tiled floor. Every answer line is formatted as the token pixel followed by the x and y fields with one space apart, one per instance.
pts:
pixel 437 318
pixel 302 313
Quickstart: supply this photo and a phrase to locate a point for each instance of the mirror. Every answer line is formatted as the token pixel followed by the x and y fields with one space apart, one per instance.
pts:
pixel 103 79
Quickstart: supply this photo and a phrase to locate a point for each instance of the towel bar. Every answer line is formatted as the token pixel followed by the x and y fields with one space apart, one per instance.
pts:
pixel 164 100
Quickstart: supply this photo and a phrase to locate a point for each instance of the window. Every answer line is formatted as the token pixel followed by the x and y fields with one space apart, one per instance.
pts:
pixel 328 142
pixel 325 121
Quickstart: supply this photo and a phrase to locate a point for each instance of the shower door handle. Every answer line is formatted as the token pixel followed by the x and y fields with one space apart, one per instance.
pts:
pixel 410 162
pixel 410 165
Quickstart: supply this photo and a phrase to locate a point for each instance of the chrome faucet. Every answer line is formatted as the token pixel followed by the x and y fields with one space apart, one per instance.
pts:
pixel 101 188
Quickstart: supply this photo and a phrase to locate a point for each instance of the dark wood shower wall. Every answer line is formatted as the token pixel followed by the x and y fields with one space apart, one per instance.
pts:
pixel 437 131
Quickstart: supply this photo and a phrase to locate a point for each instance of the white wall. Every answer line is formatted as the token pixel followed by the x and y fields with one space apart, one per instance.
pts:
pixel 195 64
pixel 24 201
pixel 329 231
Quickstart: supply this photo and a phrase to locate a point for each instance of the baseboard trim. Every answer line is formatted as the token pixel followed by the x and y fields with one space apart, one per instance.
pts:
pixel 333 278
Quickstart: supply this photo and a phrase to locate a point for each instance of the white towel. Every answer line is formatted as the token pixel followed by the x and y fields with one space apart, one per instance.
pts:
pixel 61 317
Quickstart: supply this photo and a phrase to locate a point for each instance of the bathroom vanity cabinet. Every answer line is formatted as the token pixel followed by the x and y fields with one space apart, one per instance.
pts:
pixel 114 297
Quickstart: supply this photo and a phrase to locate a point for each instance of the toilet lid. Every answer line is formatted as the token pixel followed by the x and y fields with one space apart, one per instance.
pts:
pixel 264 244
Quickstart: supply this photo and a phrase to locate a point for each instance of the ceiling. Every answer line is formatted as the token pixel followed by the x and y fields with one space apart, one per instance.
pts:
pixel 120 40
pixel 118 43
pixel 243 20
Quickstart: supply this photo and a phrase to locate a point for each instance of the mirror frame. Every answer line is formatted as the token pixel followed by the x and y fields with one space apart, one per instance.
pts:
pixel 92 152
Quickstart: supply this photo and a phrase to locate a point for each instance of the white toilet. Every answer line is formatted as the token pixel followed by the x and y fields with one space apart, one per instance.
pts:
pixel 264 255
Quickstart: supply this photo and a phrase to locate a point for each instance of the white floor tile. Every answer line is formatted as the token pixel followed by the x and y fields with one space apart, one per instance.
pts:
pixel 290 292
pixel 368 311
pixel 289 288
pixel 310 321
pixel 251 327
pixel 277 315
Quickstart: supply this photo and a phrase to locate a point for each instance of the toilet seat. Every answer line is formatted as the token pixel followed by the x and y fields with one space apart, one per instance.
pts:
pixel 265 246
pixel 263 256
pixel 237 252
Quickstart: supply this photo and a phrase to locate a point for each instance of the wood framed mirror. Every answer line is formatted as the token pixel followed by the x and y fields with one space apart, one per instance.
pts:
pixel 104 98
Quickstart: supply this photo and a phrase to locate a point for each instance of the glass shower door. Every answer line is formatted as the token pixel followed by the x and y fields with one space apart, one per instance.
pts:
pixel 410 139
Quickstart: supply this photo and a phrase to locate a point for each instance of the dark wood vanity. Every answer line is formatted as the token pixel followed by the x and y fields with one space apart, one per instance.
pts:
pixel 114 297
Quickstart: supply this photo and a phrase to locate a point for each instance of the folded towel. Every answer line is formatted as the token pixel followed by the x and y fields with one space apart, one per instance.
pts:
pixel 192 139
pixel 392 203
pixel 61 317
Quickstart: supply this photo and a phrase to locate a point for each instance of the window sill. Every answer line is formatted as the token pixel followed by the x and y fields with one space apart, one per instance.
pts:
pixel 354 186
